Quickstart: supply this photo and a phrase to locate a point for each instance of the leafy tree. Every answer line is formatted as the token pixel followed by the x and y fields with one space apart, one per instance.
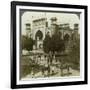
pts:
pixel 23 42
pixel 47 43
pixel 57 44
pixel 27 43
pixel 75 53
pixel 54 43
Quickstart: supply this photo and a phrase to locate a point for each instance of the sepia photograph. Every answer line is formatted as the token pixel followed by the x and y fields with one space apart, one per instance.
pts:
pixel 48 44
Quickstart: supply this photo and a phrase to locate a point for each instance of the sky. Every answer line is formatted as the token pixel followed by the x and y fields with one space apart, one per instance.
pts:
pixel 62 18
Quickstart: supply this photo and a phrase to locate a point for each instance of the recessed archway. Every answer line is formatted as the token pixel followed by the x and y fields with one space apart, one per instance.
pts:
pixel 39 35
pixel 66 37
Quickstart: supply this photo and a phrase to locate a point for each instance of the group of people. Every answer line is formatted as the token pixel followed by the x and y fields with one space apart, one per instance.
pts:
pixel 49 65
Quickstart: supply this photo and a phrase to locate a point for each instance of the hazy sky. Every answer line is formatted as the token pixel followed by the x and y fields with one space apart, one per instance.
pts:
pixel 62 18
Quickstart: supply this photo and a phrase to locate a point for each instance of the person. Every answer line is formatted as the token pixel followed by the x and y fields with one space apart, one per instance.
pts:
pixel 32 72
pixel 50 57
pixel 61 68
pixel 68 69
pixel 42 70
pixel 48 61
pixel 48 70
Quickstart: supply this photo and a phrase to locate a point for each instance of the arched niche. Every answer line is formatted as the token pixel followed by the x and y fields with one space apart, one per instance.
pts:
pixel 39 35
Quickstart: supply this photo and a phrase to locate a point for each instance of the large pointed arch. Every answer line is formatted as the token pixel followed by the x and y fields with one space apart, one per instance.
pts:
pixel 39 34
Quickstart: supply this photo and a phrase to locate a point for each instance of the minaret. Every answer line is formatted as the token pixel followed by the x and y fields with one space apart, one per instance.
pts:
pixel 53 20
pixel 76 27
pixel 53 24
pixel 28 29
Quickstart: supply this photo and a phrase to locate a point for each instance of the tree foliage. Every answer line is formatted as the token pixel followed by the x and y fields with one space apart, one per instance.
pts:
pixel 54 43
pixel 27 43
pixel 57 44
pixel 75 53
pixel 47 43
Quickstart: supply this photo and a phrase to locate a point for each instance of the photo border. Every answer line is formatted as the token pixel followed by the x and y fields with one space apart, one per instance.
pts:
pixel 14 43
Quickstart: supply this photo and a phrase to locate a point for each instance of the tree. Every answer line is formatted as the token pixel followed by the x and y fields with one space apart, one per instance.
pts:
pixel 57 44
pixel 47 43
pixel 75 53
pixel 23 42
pixel 54 43
pixel 27 43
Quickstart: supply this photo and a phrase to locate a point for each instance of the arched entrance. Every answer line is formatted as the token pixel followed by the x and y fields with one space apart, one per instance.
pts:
pixel 39 39
pixel 39 35
pixel 66 37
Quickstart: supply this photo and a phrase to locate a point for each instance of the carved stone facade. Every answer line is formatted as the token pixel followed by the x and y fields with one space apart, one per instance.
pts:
pixel 40 28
